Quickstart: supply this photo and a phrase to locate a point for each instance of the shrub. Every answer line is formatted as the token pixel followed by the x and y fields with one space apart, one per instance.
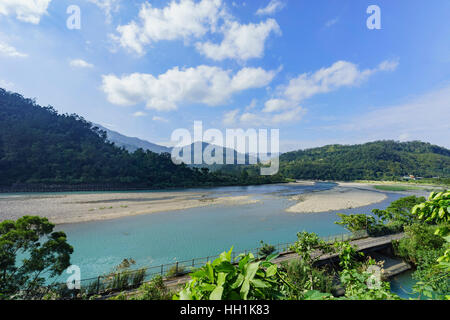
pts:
pixel 266 249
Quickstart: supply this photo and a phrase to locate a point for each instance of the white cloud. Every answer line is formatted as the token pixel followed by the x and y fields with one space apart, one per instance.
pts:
pixel 229 118
pixel 25 10
pixel 241 41
pixel 260 119
pixel 139 114
pixel 247 118
pixel 252 105
pixel 285 108
pixel 108 7
pixel 204 84
pixel 273 105
pixel 10 51
pixel 306 85
pixel 422 118
pixel 189 20
pixel 79 63
pixel 271 8
pixel 185 19
pixel 340 74
pixel 331 22
pixel 160 119
pixel 7 85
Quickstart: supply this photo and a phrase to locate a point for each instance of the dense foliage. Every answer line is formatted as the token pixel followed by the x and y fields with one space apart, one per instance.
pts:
pixel 426 242
pixel 371 161
pixel 30 252
pixel 434 274
pixel 40 146
pixel 298 279
pixel 221 280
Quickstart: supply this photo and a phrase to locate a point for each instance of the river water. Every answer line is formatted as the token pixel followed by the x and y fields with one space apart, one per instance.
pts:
pixel 167 237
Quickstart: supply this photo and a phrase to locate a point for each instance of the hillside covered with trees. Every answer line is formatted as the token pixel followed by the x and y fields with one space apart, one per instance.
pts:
pixel 370 161
pixel 40 146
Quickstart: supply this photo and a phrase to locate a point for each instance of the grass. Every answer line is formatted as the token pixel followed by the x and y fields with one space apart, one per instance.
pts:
pixel 403 188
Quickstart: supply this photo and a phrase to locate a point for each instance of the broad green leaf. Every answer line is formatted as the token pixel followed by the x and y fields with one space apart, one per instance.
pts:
pixel 245 289
pixel 238 282
pixel 225 266
pixel 272 256
pixel 185 295
pixel 251 270
pixel 258 283
pixel 221 278
pixel 217 293
pixel 210 272
pixel 271 271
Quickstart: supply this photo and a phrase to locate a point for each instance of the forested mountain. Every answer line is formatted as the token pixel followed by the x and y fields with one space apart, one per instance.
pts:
pixel 132 144
pixel 40 146
pixel 374 160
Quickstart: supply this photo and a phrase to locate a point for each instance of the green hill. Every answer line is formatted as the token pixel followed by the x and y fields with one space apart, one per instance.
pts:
pixel 374 160
pixel 40 146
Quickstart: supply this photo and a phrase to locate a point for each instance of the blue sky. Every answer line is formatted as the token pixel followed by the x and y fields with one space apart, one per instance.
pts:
pixel 310 68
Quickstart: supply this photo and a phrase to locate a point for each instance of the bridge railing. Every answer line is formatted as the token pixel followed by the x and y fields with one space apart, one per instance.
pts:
pixel 129 279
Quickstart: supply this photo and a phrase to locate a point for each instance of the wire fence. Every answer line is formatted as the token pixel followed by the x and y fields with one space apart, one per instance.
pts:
pixel 130 279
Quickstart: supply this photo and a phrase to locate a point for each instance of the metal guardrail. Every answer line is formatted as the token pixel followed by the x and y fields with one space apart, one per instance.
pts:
pixel 130 279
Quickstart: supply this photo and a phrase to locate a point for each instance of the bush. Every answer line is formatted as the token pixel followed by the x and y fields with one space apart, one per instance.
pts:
pixel 419 238
pixel 322 279
pixel 153 290
pixel 175 271
pixel 266 250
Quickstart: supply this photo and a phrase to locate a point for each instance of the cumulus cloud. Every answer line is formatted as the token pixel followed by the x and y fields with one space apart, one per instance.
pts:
pixel 139 114
pixel 10 51
pixel 190 20
pixel 29 11
pixel 207 85
pixel 108 7
pixel 241 41
pixel 229 118
pixel 306 85
pixel 7 85
pixel 340 74
pixel 273 7
pixel 160 119
pixel 285 106
pixel 79 63
pixel 184 20
pixel 247 118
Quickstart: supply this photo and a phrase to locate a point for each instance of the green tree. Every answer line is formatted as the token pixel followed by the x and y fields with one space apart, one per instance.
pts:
pixel 399 211
pixel 30 250
pixel 436 210
pixel 356 222
pixel 310 248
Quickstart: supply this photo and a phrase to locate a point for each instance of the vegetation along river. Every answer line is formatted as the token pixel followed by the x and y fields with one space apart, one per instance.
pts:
pixel 166 237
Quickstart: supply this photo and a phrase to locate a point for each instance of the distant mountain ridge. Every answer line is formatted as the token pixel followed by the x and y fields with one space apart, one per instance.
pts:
pixel 371 161
pixel 40 147
pixel 131 143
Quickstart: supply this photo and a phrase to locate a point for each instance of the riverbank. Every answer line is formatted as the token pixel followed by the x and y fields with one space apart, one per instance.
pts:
pixel 344 196
pixel 75 208
pixel 64 208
